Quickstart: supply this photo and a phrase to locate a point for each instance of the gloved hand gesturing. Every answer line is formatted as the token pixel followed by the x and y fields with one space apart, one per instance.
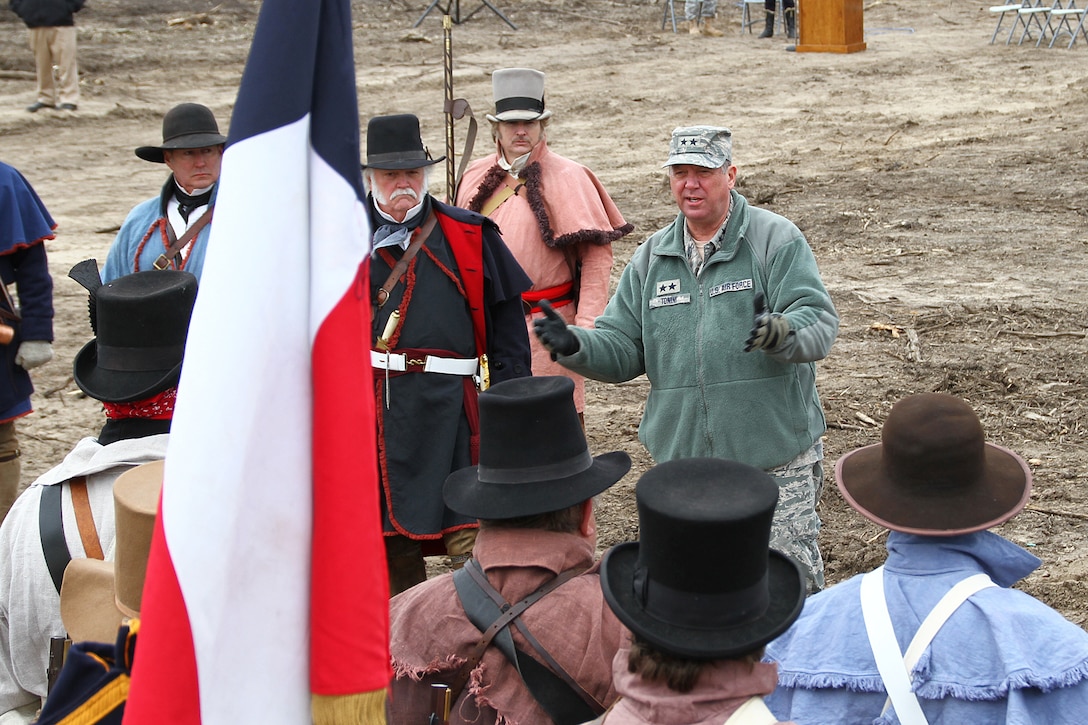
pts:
pixel 769 329
pixel 32 353
pixel 553 333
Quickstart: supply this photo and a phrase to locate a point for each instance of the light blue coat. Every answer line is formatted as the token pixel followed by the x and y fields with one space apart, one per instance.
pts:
pixel 1002 657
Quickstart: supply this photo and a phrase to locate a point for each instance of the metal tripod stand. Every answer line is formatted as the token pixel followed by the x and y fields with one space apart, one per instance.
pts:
pixel 455 5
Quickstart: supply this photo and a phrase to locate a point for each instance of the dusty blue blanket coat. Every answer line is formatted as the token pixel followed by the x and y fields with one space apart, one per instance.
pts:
pixel 1002 657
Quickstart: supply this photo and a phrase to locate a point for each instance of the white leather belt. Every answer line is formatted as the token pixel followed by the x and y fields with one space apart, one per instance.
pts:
pixel 397 362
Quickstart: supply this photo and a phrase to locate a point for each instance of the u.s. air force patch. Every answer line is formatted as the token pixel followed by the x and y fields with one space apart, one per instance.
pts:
pixel 668 293
pixel 737 286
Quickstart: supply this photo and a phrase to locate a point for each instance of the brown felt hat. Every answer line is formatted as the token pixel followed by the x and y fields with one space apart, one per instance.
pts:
pixel 96 595
pixel 933 473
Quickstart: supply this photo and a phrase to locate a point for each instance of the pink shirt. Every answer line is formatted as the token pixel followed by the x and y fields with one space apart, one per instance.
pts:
pixel 561 203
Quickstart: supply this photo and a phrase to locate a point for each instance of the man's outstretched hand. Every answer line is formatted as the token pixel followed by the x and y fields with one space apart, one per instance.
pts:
pixel 552 331
pixel 769 329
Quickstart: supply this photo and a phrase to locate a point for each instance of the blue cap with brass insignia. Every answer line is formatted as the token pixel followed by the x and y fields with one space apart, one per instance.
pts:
pixel 709 146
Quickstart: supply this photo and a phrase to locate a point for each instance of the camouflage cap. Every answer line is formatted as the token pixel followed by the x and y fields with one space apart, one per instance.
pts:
pixel 709 146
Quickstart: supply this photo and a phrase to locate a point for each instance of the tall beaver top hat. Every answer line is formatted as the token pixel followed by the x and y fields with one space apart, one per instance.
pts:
pixel 142 320
pixel 185 126
pixel 933 473
pixel 519 95
pixel 702 581
pixel 394 142
pixel 533 454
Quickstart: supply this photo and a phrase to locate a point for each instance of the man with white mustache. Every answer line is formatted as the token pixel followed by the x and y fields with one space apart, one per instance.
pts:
pixel 447 321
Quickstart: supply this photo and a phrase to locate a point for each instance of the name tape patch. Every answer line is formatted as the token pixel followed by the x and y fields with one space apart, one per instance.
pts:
pixel 730 287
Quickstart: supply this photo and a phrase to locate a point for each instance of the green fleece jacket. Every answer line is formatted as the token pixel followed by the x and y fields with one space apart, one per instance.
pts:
pixel 687 334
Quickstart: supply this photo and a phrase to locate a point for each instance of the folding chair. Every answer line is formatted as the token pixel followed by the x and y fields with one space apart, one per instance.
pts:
pixel 1064 16
pixel 1001 11
pixel 670 12
pixel 1034 14
pixel 750 17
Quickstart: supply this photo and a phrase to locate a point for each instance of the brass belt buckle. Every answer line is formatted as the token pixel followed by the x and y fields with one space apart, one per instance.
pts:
pixel 163 262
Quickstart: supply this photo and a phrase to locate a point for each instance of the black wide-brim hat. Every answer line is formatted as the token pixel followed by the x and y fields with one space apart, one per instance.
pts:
pixel 186 126
pixel 702 581
pixel 933 474
pixel 394 143
pixel 142 322
pixel 533 454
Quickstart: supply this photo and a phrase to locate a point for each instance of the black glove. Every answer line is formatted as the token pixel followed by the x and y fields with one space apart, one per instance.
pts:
pixel 553 333
pixel 769 330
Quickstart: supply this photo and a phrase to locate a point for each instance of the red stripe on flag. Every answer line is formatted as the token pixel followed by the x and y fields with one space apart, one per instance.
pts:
pixel 349 588
pixel 169 691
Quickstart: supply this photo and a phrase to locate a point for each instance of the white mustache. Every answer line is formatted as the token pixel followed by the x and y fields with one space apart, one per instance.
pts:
pixel 404 192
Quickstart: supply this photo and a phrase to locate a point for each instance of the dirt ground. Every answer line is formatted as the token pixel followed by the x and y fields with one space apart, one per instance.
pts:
pixel 939 179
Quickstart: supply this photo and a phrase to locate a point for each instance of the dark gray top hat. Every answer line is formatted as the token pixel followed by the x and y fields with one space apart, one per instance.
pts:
pixel 394 142
pixel 533 454
pixel 143 319
pixel 702 582
pixel 933 473
pixel 186 126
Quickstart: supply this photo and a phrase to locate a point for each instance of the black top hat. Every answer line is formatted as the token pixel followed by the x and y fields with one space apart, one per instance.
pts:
pixel 533 454
pixel 186 126
pixel 702 582
pixel 394 142
pixel 933 473
pixel 143 319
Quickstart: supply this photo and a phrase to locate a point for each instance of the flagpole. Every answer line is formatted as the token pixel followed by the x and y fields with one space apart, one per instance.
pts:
pixel 447 62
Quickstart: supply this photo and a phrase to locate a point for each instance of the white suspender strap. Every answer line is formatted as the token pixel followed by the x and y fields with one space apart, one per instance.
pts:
pixel 889 660
pixel 752 712
pixel 872 599
pixel 949 603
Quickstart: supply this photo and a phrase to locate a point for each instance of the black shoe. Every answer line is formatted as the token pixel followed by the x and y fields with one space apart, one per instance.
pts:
pixel 35 107
pixel 66 107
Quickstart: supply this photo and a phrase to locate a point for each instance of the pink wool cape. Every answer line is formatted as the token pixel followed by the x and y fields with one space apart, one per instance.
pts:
pixel 721 690
pixel 561 204
pixel 431 637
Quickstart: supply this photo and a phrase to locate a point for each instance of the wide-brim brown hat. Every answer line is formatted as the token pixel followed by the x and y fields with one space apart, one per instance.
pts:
pixel 519 95
pixel 95 595
pixel 142 321
pixel 702 581
pixel 394 143
pixel 933 473
pixel 533 454
pixel 185 126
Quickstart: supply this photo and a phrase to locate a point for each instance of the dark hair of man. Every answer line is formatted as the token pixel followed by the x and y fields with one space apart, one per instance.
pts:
pixel 563 521
pixel 679 674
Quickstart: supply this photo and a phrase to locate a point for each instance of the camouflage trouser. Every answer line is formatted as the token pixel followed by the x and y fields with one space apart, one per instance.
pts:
pixel 796 524
pixel 691 7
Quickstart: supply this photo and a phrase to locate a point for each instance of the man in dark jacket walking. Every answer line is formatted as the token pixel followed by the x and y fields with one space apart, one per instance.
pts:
pixel 53 42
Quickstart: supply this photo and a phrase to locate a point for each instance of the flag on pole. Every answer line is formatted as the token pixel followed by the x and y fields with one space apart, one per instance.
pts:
pixel 267 578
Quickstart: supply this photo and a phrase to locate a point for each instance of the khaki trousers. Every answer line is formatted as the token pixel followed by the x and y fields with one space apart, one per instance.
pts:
pixel 404 557
pixel 10 468
pixel 56 47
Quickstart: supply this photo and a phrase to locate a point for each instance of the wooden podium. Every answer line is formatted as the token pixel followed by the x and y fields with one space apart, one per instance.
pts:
pixel 830 26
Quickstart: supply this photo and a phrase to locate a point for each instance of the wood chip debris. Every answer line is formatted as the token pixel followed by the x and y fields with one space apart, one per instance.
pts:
pixel 895 330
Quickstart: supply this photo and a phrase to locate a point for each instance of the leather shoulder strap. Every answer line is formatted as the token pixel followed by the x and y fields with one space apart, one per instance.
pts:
pixel 88 532
pixel 419 236
pixel 51 529
pixel 176 245
pixel 558 693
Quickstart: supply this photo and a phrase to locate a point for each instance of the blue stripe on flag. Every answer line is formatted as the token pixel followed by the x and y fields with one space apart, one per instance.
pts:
pixel 288 86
